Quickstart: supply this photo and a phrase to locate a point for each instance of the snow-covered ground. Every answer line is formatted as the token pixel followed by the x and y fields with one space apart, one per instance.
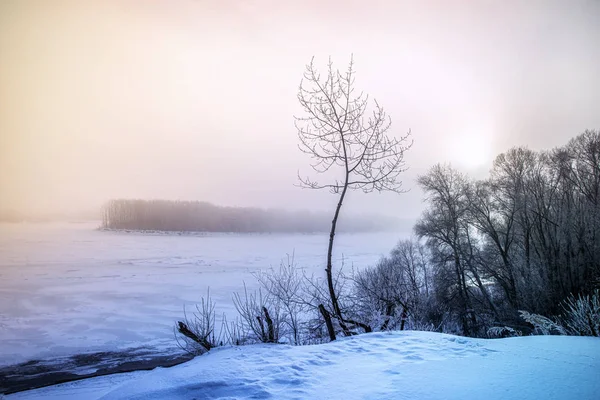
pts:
pixel 66 288
pixel 399 365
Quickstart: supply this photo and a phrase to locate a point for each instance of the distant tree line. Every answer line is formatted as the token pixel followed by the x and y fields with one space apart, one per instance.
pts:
pixel 196 216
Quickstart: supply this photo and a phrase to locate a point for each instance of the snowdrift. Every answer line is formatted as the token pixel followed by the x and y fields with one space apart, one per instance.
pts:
pixel 399 365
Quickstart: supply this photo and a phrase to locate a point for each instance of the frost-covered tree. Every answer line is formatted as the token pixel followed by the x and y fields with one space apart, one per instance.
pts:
pixel 350 143
pixel 395 289
pixel 526 238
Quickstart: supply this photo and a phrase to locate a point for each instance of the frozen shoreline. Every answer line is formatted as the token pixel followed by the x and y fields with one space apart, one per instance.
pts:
pixel 68 288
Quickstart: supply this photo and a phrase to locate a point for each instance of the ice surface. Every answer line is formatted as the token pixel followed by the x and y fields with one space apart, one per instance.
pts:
pixel 399 365
pixel 67 288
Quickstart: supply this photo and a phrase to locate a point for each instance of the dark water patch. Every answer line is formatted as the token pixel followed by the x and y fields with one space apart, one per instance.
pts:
pixel 35 374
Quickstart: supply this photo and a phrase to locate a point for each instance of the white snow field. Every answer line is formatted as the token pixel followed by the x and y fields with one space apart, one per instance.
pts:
pixel 67 288
pixel 399 365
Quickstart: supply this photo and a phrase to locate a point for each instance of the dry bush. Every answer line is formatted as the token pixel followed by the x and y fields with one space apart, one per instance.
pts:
pixel 197 332
pixel 582 314
pixel 497 332
pixel 542 325
pixel 286 289
pixel 260 318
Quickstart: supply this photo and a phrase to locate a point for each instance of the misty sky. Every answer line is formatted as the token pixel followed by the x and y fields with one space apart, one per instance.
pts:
pixel 195 99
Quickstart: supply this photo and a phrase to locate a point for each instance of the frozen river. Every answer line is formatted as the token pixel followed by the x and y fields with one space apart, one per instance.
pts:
pixel 67 288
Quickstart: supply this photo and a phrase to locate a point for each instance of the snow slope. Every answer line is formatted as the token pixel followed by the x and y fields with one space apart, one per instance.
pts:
pixel 399 365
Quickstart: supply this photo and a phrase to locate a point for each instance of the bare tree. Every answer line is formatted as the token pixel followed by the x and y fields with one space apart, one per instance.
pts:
pixel 445 229
pixel 343 137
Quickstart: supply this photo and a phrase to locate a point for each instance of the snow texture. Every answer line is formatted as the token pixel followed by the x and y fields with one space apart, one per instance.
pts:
pixel 399 365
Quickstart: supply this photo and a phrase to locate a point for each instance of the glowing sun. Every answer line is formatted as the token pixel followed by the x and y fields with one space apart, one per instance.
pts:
pixel 471 149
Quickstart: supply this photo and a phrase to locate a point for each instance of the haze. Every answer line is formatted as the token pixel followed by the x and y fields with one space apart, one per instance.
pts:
pixel 195 99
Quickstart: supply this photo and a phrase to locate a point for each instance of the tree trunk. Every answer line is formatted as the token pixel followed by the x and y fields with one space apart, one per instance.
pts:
pixel 389 312
pixel 334 300
pixel 328 322
pixel 184 330
pixel 270 329
pixel 404 316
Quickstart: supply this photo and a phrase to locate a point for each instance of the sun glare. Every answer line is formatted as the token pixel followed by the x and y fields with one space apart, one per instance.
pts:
pixel 471 149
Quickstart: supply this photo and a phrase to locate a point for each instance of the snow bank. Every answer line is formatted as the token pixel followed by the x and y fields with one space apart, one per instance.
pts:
pixel 400 365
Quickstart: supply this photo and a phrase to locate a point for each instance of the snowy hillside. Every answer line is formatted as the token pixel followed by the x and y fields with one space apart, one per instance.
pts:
pixel 400 365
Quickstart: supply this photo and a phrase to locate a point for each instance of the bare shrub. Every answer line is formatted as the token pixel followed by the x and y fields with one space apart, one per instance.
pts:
pixel 392 294
pixel 198 334
pixel 233 333
pixel 316 296
pixel 582 314
pixel 380 292
pixel 321 326
pixel 260 318
pixel 285 309
pixel 497 332
pixel 286 288
pixel 542 325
